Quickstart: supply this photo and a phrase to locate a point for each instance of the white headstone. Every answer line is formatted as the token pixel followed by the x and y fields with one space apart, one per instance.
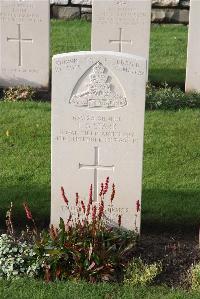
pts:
pixel 121 25
pixel 24 40
pixel 193 55
pixel 98 103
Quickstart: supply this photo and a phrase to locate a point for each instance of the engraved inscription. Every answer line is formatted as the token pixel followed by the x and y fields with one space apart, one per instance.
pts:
pixel 67 64
pixel 120 41
pixel 123 65
pixel 96 166
pixel 100 93
pixel 111 213
pixel 121 2
pixel 96 129
pixel 122 15
pixel 20 41
pixel 19 12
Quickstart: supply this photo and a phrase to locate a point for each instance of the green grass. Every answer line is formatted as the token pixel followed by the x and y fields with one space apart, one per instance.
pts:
pixel 167 48
pixel 25 158
pixel 171 189
pixel 71 36
pixel 25 289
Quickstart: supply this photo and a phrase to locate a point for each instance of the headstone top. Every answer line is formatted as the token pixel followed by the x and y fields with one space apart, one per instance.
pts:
pixel 98 53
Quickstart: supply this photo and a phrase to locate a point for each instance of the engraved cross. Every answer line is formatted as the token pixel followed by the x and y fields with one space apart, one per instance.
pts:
pixel 120 41
pixel 20 40
pixel 96 166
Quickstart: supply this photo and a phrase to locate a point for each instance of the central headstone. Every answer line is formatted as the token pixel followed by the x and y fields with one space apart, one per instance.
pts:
pixel 98 103
pixel 121 25
pixel 24 39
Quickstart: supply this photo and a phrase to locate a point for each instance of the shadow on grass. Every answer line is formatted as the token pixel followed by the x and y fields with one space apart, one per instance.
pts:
pixel 170 211
pixel 173 77
pixel 162 210
pixel 38 199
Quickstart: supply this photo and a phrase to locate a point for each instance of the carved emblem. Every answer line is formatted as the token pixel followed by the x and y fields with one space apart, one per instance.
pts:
pixel 99 92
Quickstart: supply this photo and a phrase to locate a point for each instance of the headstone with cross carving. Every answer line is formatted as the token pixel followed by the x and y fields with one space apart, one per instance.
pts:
pixel 121 25
pixel 98 101
pixel 24 39
pixel 193 52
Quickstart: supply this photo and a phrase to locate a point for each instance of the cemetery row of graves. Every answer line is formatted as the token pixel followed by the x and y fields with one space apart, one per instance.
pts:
pixel 116 26
pixel 117 172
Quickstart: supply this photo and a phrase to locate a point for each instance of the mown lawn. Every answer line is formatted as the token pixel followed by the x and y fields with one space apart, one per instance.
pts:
pixel 26 288
pixel 171 189
pixel 168 47
pixel 25 158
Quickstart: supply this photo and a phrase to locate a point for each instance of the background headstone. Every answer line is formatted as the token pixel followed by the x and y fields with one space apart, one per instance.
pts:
pixel 121 25
pixel 24 40
pixel 193 55
pixel 98 103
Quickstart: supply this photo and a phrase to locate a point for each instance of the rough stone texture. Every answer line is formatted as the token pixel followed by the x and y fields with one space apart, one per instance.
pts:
pixel 170 3
pixel 170 16
pixel 86 13
pixel 165 2
pixel 185 3
pixel 24 40
pixel 180 7
pixel 59 2
pixel 66 13
pixel 193 53
pixel 86 10
pixel 82 2
pixel 97 132
pixel 161 3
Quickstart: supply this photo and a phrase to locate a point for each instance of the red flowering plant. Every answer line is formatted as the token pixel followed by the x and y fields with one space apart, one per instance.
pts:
pixel 86 246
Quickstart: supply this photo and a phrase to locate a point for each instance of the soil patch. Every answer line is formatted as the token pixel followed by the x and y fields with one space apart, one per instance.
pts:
pixel 177 254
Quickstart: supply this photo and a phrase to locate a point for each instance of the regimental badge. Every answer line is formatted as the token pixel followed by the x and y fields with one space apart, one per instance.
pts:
pixel 97 91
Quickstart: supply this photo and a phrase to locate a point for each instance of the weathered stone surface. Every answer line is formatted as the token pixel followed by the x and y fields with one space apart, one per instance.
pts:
pixel 170 16
pixel 165 2
pixel 122 26
pixel 86 13
pixel 66 12
pixel 193 53
pixel 24 40
pixel 98 103
pixel 160 3
pixel 59 2
pixel 185 3
pixel 163 16
pixel 86 10
pixel 82 2
pixel 171 3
